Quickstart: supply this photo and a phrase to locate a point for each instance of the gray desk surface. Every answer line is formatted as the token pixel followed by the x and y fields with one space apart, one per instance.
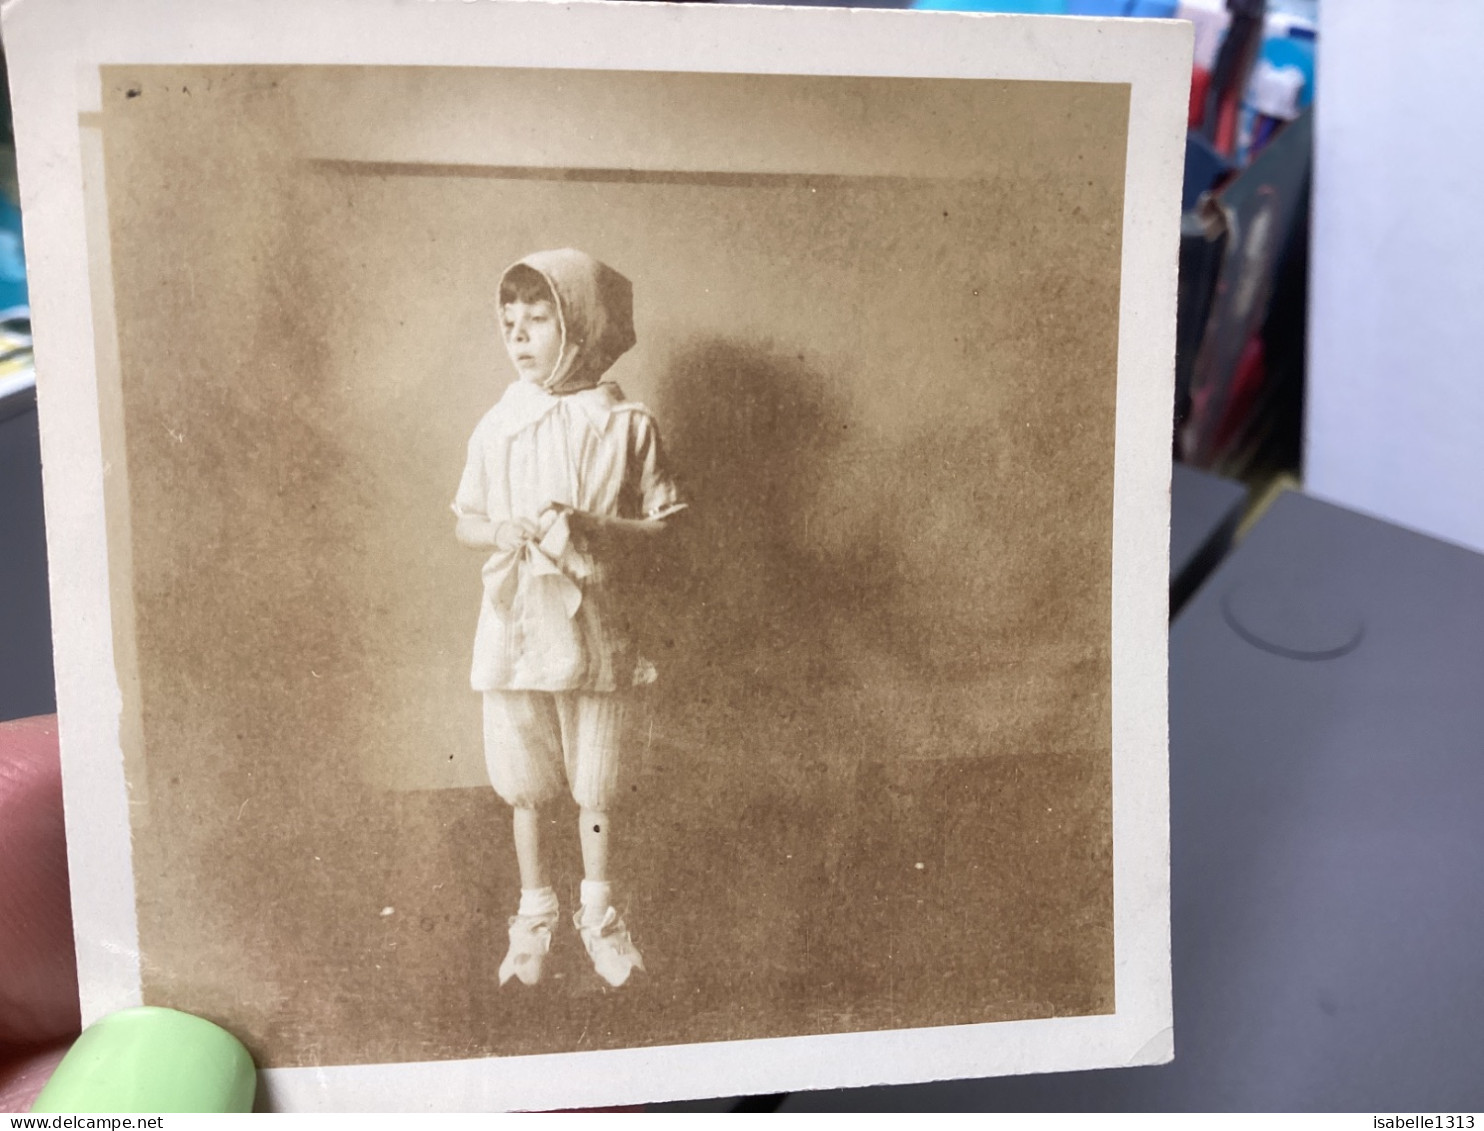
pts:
pixel 1327 836
pixel 1204 510
pixel 25 621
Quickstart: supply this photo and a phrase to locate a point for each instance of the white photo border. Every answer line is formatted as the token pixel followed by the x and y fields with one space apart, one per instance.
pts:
pixel 55 48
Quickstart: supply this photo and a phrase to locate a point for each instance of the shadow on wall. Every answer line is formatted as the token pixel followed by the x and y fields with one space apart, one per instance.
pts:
pixel 751 435
pixel 838 687
pixel 848 589
pixel 831 580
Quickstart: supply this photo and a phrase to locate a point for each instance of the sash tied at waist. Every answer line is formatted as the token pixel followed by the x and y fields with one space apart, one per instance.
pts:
pixel 541 571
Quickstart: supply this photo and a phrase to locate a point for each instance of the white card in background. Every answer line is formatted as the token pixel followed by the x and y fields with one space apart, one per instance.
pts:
pixel 1394 418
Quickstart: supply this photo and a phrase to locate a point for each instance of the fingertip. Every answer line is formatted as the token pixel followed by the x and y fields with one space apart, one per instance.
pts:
pixel 22 1078
pixel 32 741
pixel 38 979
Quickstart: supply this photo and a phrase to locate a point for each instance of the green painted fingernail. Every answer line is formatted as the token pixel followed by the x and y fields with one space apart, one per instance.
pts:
pixel 149 1060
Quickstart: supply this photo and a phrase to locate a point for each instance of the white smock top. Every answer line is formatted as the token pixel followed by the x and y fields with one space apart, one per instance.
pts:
pixel 547 621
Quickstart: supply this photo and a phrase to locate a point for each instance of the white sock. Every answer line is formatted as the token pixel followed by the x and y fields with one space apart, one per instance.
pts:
pixel 597 897
pixel 537 901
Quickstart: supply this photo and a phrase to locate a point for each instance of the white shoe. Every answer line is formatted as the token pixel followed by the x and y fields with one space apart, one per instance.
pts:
pixel 530 943
pixel 608 944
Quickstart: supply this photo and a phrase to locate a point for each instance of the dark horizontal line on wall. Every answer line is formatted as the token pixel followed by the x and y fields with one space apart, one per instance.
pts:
pixel 711 179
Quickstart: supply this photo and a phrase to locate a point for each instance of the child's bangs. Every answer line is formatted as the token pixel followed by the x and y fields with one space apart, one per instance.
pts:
pixel 526 285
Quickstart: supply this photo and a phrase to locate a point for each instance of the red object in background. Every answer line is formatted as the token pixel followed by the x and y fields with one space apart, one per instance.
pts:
pixel 1247 382
pixel 1226 125
pixel 1200 86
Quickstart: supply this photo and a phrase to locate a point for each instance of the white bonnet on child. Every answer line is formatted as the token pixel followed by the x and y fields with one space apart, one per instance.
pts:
pixel 596 307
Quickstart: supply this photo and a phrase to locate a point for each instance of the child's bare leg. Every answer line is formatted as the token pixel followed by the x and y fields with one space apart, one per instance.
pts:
pixel 597 893
pixel 607 938
pixel 595 835
pixel 594 723
pixel 533 874
pixel 530 929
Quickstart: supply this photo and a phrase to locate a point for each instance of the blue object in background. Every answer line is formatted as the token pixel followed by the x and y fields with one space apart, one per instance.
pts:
pixel 1203 168
pixel 1032 7
pixel 13 292
pixel 1149 8
pixel 1293 50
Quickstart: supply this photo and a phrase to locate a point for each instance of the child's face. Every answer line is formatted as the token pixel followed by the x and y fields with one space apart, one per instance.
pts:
pixel 533 338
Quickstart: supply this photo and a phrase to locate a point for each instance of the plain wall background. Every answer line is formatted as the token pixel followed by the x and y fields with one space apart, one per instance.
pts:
pixel 1395 415
pixel 876 786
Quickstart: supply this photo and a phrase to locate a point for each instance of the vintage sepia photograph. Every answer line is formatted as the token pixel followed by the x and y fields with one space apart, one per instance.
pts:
pixel 609 558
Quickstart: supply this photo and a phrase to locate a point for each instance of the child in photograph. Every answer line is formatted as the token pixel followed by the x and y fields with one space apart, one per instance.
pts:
pixel 564 477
